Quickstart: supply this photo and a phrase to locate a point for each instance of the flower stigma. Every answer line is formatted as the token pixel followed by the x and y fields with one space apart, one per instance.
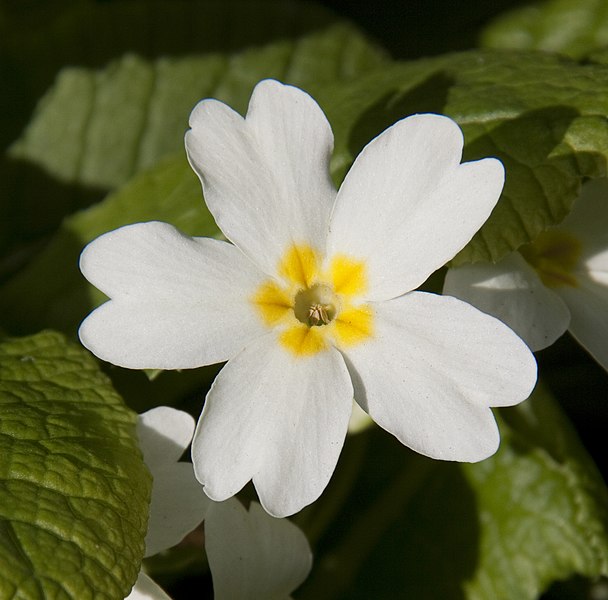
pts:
pixel 554 255
pixel 314 307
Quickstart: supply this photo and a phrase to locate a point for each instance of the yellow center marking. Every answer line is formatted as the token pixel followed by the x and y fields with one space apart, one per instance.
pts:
pixel 315 309
pixel 554 254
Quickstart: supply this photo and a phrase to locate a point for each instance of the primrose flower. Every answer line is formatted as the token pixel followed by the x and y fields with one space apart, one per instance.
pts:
pixel 178 504
pixel 312 303
pixel 558 282
pixel 251 555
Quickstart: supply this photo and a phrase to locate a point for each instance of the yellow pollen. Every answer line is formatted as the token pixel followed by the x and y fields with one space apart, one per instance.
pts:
pixel 554 254
pixel 312 309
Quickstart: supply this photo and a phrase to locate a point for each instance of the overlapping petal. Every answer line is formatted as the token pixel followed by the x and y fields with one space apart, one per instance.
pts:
pixel 178 504
pixel 252 555
pixel 176 302
pixel 407 205
pixel 512 292
pixel 146 589
pixel 434 367
pixel 266 177
pixel 588 220
pixel 164 433
pixel 588 304
pixel 276 418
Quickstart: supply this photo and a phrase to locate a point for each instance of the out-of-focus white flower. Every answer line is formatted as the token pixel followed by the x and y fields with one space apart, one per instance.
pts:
pixel 558 282
pixel 178 504
pixel 312 303
pixel 251 555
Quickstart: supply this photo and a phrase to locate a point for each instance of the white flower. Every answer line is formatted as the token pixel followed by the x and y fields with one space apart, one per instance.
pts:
pixel 309 303
pixel 251 555
pixel 178 504
pixel 562 283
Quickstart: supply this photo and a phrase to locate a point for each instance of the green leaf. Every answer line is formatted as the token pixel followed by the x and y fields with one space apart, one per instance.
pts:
pixel 74 491
pixel 542 503
pixel 544 117
pixel 571 27
pixel 98 128
pixel 37 39
pixel 506 528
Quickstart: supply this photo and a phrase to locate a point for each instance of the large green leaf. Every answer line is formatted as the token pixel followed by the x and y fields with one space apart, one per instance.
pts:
pixel 506 528
pixel 98 128
pixel 544 117
pixel 95 129
pixel 39 38
pixel 74 491
pixel 571 27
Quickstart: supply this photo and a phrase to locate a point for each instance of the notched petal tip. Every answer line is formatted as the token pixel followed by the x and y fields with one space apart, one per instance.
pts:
pixel 164 433
pixel 436 125
pixel 409 205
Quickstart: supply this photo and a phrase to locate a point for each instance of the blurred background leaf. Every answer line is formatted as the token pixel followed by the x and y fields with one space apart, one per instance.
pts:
pixel 574 28
pixel 39 38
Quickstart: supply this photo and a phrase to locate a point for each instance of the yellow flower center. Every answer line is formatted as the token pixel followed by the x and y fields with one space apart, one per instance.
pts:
pixel 554 255
pixel 315 308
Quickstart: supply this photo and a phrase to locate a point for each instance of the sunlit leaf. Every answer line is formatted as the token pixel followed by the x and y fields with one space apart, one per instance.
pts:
pixel 544 117
pixel 74 491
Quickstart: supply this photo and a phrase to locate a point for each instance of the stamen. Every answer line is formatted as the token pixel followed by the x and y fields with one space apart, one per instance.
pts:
pixel 317 315
pixel 315 306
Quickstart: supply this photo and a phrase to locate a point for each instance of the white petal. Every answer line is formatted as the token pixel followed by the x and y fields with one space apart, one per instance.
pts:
pixel 164 433
pixel 177 302
pixel 276 418
pixel 588 220
pixel 146 589
pixel 512 292
pixel 253 555
pixel 433 368
pixel 265 178
pixel 588 306
pixel 407 205
pixel 177 507
pixel 178 503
